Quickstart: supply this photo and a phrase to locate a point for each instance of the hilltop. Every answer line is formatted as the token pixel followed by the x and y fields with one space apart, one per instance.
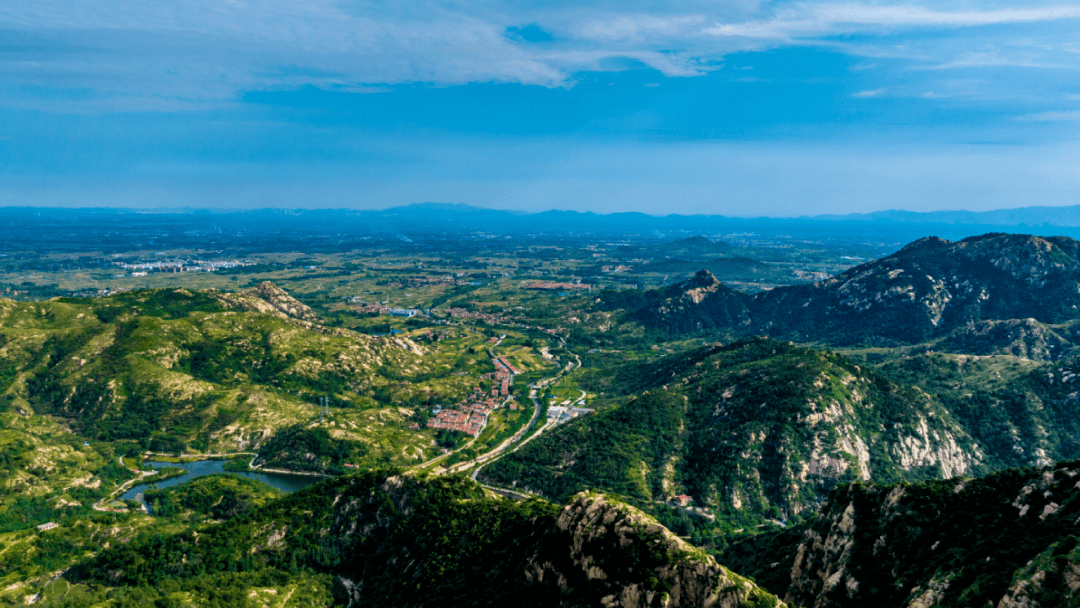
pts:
pixel 698 304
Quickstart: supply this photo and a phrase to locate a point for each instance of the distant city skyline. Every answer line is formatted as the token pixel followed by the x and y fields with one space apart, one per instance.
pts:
pixel 745 109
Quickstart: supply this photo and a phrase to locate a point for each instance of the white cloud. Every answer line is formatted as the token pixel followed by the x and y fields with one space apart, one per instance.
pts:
pixel 872 93
pixel 174 53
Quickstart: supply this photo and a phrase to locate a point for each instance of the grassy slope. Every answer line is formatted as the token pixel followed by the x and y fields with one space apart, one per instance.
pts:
pixel 183 370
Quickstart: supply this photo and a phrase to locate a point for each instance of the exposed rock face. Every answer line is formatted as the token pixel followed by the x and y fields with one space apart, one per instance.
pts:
pixel 931 287
pixel 594 552
pixel 924 291
pixel 1009 540
pixel 269 298
pixel 600 534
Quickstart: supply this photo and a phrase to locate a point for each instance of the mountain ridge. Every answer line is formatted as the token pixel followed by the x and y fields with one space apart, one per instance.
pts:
pixel 927 289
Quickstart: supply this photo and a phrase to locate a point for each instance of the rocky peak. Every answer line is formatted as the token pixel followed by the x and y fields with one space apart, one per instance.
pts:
pixel 268 298
pixel 281 300
pixel 1026 258
pixel 702 280
pixel 630 560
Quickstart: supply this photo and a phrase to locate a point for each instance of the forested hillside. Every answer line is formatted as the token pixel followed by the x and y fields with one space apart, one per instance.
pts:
pixel 757 428
pixel 921 293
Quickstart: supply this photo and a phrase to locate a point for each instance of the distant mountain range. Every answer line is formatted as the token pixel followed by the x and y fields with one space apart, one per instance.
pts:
pixel 453 219
pixel 1067 216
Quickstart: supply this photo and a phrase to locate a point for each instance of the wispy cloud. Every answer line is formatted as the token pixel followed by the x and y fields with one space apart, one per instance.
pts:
pixel 209 51
pixel 818 19
pixel 872 93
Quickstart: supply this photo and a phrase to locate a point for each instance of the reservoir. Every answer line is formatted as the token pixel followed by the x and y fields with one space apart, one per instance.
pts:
pixel 200 468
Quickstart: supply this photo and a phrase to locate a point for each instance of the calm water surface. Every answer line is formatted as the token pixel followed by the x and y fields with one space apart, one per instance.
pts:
pixel 199 468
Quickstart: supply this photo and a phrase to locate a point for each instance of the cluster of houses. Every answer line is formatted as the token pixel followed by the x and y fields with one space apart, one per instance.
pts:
pixel 504 375
pixel 470 416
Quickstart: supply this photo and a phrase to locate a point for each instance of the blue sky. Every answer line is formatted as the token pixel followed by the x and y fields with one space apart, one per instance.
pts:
pixel 740 108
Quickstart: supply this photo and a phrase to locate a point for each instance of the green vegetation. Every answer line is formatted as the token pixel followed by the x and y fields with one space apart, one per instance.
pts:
pixel 624 451
pixel 754 430
pixel 757 432
pixel 304 449
pixel 982 536
pixel 216 497
pixel 409 542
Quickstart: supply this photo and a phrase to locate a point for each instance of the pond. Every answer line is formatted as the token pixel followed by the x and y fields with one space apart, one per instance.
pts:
pixel 199 468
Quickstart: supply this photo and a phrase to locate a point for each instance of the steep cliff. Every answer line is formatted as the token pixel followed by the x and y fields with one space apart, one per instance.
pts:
pixel 1021 412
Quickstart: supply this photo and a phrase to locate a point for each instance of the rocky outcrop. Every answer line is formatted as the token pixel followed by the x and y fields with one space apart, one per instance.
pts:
pixel 630 561
pixel 596 551
pixel 923 292
pixel 269 298
pixel 700 303
pixel 930 288
pixel 1008 540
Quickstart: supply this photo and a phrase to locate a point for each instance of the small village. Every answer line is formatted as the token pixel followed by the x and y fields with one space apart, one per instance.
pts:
pixel 470 415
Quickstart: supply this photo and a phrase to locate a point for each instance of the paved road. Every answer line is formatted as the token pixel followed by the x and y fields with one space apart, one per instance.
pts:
pixel 511 444
pixel 504 447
